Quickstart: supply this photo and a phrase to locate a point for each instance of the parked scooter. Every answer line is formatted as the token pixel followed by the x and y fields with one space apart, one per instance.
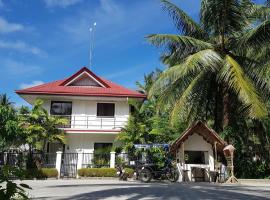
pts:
pixel 121 173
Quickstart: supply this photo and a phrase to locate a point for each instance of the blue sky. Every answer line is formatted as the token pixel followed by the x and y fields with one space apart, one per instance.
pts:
pixel 46 40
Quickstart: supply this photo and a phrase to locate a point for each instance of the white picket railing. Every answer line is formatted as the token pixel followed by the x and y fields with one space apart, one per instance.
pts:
pixel 94 122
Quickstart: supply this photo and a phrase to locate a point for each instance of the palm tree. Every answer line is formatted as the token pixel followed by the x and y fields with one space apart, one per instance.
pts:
pixel 40 128
pixel 218 66
pixel 4 100
pixel 149 79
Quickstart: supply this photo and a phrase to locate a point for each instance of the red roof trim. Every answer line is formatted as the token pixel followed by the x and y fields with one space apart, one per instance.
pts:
pixel 84 69
pixel 92 131
pixel 81 94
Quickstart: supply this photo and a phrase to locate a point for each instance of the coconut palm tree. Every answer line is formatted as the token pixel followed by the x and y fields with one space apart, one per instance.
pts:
pixel 4 100
pixel 217 66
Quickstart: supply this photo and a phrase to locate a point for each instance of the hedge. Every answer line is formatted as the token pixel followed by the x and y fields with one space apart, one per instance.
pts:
pixel 97 172
pixel 103 172
pixel 49 172
pixel 41 173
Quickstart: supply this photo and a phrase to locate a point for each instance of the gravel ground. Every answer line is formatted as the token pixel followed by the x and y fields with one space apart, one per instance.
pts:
pixel 114 189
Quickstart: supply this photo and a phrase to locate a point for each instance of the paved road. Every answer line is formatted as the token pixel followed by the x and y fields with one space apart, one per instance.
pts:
pixel 114 189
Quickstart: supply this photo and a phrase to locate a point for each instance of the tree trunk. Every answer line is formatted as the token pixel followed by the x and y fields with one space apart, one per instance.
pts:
pixel 218 110
pixel 226 108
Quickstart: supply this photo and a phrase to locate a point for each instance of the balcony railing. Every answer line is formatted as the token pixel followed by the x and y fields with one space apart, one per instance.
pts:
pixel 93 122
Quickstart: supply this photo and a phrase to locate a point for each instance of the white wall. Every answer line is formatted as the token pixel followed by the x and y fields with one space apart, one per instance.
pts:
pixel 85 142
pixel 84 114
pixel 195 142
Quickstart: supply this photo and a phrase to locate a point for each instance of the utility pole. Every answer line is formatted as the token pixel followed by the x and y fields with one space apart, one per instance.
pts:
pixel 91 44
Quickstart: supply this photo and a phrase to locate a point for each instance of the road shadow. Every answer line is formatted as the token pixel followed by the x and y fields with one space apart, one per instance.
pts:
pixel 171 191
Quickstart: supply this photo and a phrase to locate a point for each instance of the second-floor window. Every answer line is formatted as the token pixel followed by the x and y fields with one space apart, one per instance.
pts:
pixel 61 108
pixel 105 109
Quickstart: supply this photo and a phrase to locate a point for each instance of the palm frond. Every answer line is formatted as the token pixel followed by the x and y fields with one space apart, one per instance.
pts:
pixel 233 75
pixel 261 78
pixel 257 37
pixel 183 105
pixel 222 17
pixel 178 46
pixel 258 12
pixel 184 23
pixel 203 60
pixel 178 40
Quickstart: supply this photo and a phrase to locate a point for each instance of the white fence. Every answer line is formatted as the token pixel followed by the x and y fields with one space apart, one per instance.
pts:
pixel 94 122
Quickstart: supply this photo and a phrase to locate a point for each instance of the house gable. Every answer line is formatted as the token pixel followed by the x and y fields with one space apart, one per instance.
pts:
pixel 84 78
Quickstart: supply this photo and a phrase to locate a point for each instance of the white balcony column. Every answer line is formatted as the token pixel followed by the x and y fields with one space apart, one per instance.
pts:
pixel 58 162
pixel 5 158
pixel 80 160
pixel 112 159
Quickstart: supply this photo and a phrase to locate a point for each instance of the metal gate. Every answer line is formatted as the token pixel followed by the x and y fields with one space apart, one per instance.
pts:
pixel 69 165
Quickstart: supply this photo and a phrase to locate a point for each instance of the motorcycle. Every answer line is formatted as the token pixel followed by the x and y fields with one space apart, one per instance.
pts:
pixel 148 170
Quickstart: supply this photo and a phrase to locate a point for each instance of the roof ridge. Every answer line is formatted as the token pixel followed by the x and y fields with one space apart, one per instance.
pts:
pixel 58 87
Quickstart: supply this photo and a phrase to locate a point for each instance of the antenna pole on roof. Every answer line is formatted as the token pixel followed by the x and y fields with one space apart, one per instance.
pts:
pixel 91 46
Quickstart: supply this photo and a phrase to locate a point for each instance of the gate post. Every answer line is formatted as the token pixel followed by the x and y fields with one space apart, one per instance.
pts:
pixel 58 162
pixel 79 162
pixel 112 159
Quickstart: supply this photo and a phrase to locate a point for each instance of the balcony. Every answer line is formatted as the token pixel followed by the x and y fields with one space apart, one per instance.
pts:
pixel 93 122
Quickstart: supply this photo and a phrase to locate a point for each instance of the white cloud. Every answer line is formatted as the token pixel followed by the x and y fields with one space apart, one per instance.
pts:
pixel 22 47
pixel 116 23
pixel 32 84
pixel 108 6
pixel 61 3
pixel 17 68
pixel 7 27
pixel 126 71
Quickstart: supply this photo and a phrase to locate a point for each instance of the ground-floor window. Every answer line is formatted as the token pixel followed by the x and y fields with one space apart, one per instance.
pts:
pixel 196 157
pixel 105 147
pixel 102 154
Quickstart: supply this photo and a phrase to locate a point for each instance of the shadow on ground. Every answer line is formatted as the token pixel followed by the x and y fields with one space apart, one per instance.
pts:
pixel 175 191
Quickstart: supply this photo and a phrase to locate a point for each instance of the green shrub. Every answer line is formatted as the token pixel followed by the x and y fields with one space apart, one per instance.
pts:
pixel 33 173
pixel 10 189
pixel 97 172
pixel 41 173
pixel 49 172
pixel 129 171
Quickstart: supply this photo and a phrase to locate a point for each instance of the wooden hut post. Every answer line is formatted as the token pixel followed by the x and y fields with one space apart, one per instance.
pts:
pixel 183 154
pixel 215 145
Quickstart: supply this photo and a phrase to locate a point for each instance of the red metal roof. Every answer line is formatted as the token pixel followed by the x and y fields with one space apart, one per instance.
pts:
pixel 59 87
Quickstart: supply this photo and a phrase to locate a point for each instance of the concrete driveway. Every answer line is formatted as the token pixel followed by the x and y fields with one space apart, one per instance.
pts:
pixel 114 189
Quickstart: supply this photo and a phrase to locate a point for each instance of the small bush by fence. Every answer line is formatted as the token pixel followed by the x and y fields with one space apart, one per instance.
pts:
pixel 97 172
pixel 42 173
pixel 103 172
pixel 49 172
pixel 129 171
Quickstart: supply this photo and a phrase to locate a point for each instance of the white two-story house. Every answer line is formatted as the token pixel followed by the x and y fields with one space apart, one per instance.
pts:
pixel 96 109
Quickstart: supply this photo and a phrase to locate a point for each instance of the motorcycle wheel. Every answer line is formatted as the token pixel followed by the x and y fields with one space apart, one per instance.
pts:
pixel 145 175
pixel 173 175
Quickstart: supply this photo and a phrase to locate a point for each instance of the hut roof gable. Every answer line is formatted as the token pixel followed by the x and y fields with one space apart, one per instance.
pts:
pixel 202 129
